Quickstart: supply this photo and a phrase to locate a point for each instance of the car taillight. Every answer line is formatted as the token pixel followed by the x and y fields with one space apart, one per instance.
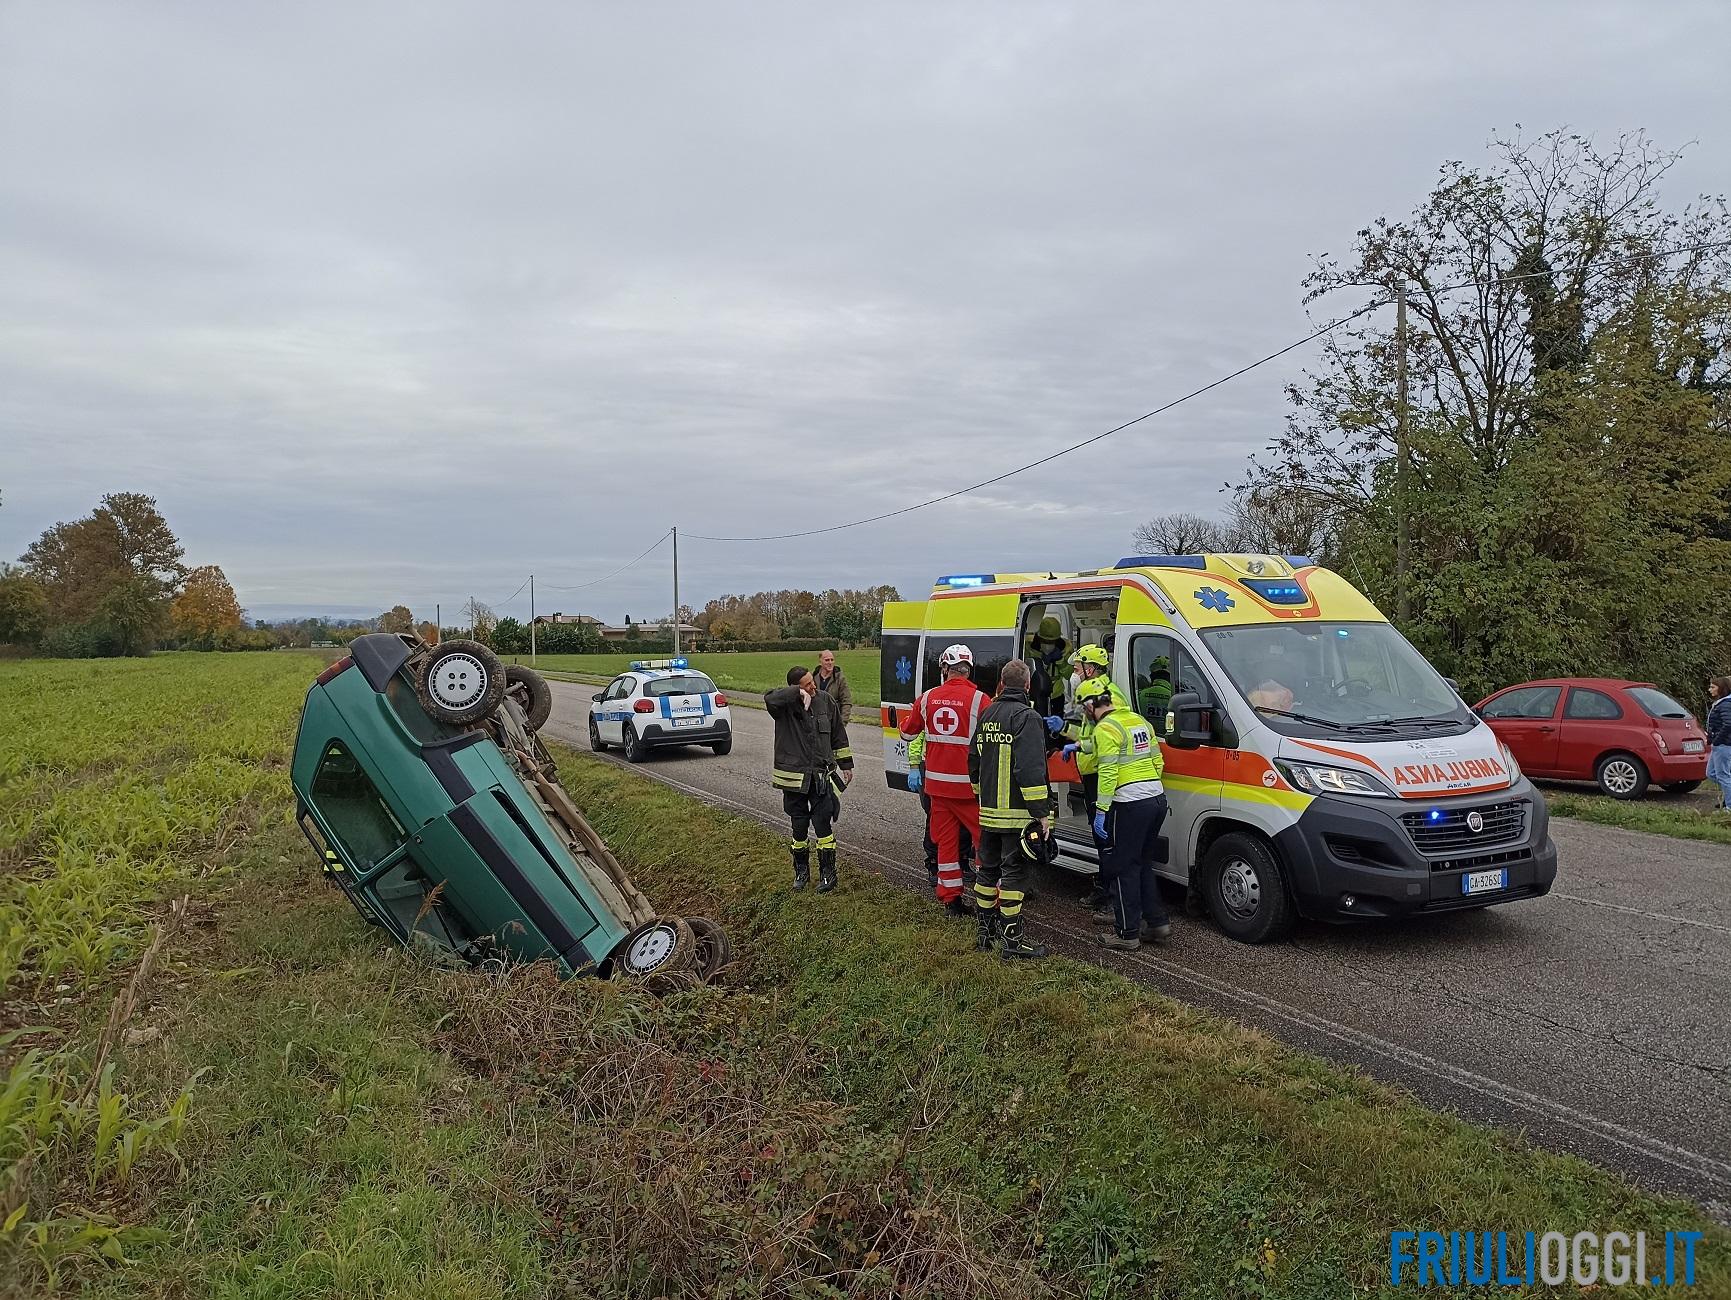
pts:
pixel 334 669
pixel 643 706
pixel 1659 740
pixel 720 700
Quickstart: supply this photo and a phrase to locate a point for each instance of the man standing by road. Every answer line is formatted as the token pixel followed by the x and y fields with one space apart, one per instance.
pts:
pixel 946 716
pixel 833 683
pixel 1007 762
pixel 811 745
pixel 1129 807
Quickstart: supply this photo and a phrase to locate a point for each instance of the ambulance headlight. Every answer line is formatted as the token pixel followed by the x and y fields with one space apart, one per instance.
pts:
pixel 1315 778
pixel 1509 762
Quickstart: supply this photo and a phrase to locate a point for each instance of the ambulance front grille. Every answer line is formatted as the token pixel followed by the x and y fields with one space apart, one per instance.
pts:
pixel 1451 832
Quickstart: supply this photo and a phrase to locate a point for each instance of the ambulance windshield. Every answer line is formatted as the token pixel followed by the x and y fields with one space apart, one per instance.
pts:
pixel 1343 676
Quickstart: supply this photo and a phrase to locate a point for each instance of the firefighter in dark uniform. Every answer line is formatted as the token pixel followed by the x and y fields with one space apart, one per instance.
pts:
pixel 1007 763
pixel 812 763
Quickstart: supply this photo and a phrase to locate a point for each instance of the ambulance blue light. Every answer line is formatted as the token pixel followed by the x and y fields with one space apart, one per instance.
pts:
pixel 1162 562
pixel 1277 591
pixel 967 580
pixel 1435 814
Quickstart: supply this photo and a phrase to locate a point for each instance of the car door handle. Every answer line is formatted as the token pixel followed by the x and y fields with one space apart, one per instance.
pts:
pixel 1547 728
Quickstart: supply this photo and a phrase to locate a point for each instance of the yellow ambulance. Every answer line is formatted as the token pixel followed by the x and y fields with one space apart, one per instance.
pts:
pixel 1316 764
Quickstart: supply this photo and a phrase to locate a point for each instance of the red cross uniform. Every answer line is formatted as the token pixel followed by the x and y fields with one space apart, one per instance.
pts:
pixel 948 714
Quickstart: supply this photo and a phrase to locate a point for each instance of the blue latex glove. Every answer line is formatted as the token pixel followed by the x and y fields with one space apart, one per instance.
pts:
pixel 1070 750
pixel 915 779
pixel 1055 724
pixel 1100 826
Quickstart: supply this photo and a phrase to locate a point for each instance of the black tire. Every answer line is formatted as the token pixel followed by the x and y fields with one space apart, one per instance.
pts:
pixel 460 682
pixel 1245 889
pixel 723 748
pixel 1682 787
pixel 532 693
pixel 595 742
pixel 714 948
pixel 1622 776
pixel 656 950
pixel 635 750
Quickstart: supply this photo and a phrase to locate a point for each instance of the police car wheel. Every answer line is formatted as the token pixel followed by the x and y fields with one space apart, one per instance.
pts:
pixel 595 742
pixel 532 694
pixel 1246 892
pixel 723 747
pixel 714 948
pixel 1622 776
pixel 460 682
pixel 635 750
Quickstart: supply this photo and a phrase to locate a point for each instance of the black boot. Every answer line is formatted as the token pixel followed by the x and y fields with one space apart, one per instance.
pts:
pixel 825 870
pixel 1015 944
pixel 801 866
pixel 958 906
pixel 989 933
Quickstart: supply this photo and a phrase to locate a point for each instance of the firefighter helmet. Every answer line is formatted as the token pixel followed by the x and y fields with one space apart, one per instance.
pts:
pixel 1038 844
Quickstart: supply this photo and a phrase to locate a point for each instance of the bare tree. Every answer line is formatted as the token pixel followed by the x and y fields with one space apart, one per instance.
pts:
pixel 480 617
pixel 1181 534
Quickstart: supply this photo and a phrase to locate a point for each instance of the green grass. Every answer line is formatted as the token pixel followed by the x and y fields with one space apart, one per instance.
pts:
pixel 754 671
pixel 868 1109
pixel 1682 816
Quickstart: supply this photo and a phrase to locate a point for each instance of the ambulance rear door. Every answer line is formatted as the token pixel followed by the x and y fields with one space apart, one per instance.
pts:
pixel 904 623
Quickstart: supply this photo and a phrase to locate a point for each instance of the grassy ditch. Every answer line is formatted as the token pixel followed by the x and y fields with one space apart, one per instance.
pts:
pixel 1692 816
pixel 1151 1148
pixel 752 671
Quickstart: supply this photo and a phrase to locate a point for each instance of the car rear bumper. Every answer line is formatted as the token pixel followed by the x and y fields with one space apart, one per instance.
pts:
pixel 1356 858
pixel 655 734
pixel 1680 767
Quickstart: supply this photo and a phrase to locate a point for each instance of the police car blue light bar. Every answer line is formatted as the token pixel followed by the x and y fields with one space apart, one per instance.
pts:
pixel 644 665
pixel 968 580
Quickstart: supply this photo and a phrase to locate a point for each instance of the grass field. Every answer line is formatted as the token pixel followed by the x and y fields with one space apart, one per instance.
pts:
pixel 1683 816
pixel 755 671
pixel 277 1104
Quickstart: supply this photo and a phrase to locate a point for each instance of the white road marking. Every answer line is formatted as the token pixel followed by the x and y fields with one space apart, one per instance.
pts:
pixel 1643 1144
pixel 1635 911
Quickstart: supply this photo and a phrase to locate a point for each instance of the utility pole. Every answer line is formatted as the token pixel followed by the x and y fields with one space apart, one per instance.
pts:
pixel 531 618
pixel 1402 601
pixel 676 589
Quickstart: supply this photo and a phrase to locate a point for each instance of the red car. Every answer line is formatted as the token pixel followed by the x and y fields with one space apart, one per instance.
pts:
pixel 1621 735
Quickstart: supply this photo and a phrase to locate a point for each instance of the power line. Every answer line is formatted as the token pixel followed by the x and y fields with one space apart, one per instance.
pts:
pixel 513 596
pixel 621 569
pixel 1048 459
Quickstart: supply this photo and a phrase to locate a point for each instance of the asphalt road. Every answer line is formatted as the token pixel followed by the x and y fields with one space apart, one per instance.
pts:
pixel 1594 1019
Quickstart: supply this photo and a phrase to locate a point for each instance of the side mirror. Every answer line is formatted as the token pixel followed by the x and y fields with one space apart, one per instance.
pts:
pixel 595 698
pixel 1189 721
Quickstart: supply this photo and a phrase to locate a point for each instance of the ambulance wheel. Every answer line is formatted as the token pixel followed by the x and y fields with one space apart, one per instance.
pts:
pixel 723 748
pixel 635 750
pixel 1245 891
pixel 1622 776
pixel 532 694
pixel 460 682
pixel 714 948
pixel 595 742
pixel 663 947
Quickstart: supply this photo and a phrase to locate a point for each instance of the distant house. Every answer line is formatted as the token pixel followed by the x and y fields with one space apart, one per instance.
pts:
pixel 661 631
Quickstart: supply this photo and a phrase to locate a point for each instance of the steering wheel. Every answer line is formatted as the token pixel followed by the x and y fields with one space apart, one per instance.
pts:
pixel 1354 688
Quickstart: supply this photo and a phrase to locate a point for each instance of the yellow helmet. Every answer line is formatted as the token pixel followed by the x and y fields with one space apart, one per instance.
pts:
pixel 1092 654
pixel 1095 688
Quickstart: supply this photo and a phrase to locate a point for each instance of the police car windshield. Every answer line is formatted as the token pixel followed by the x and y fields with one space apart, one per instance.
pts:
pixel 1358 676
pixel 684 684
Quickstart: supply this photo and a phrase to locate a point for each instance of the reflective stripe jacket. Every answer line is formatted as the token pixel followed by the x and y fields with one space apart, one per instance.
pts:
pixel 1083 733
pixel 1127 750
pixel 809 743
pixel 946 717
pixel 1008 764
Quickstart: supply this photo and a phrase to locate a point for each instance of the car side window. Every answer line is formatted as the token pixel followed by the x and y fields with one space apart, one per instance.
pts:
pixel 1588 704
pixel 351 806
pixel 1160 668
pixel 618 690
pixel 1527 702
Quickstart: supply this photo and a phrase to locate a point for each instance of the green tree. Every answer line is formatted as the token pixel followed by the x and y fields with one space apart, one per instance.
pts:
pixel 121 562
pixel 205 609
pixel 510 636
pixel 397 619
pixel 23 607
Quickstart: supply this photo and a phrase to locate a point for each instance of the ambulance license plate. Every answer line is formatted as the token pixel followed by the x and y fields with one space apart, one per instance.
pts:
pixel 1484 882
pixel 689 722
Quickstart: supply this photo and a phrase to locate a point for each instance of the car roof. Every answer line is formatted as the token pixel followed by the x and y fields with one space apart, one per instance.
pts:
pixel 1603 683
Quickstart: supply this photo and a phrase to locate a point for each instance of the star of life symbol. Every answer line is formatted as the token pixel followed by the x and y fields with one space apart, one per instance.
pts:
pixel 946 721
pixel 904 670
pixel 1215 599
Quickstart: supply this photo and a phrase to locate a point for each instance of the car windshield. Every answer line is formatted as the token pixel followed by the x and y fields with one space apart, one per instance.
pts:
pixel 1657 703
pixel 1338 676
pixel 688 684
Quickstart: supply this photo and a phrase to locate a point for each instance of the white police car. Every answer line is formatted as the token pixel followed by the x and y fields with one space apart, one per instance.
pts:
pixel 659 702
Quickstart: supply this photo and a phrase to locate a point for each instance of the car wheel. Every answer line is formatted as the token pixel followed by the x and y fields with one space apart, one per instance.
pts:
pixel 1245 890
pixel 460 682
pixel 1622 776
pixel 595 742
pixel 532 694
pixel 635 750
pixel 723 747
pixel 1682 787
pixel 714 948
pixel 660 951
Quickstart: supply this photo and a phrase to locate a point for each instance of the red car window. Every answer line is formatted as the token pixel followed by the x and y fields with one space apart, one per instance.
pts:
pixel 1586 704
pixel 1525 702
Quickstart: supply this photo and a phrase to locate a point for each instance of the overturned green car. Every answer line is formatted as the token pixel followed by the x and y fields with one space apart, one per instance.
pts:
pixel 431 802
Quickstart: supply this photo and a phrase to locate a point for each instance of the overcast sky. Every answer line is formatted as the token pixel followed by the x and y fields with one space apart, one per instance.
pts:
pixel 402 302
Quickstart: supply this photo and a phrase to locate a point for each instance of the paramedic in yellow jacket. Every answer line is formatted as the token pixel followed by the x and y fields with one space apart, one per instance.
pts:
pixel 1093 663
pixel 1128 810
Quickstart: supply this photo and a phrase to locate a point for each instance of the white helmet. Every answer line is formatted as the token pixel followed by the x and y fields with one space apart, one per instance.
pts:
pixel 954 655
